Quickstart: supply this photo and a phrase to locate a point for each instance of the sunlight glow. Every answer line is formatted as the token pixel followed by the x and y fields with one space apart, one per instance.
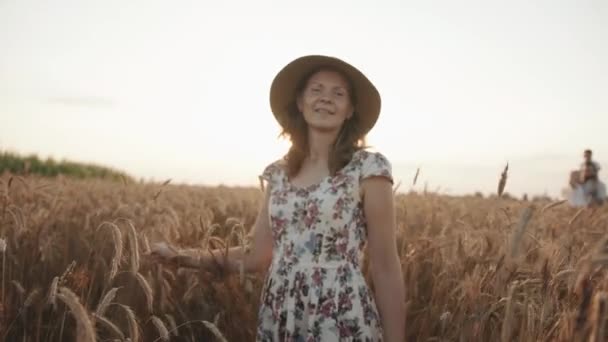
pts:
pixel 168 91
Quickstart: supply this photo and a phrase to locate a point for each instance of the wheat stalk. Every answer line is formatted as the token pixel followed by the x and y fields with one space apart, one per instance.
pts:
pixel 18 287
pixel 416 176
pixel 53 293
pixel 215 331
pixel 109 326
pixel 106 301
pixel 160 326
pixel 503 180
pixel 507 323
pixel 576 216
pixel 84 327
pixel 134 249
pixel 209 234
pixel 118 248
pixel 552 205
pixel 31 298
pixel 146 289
pixel 67 272
pixel 172 324
pixel 598 329
pixel 133 325
pixel 3 251
pixel 520 230
pixel 161 189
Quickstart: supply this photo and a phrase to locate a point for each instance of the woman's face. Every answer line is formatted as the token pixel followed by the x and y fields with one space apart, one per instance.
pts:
pixel 325 101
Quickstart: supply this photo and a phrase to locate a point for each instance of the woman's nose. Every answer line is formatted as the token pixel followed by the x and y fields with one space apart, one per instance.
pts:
pixel 325 98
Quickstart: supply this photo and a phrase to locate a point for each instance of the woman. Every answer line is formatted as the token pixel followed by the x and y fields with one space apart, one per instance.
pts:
pixel 325 200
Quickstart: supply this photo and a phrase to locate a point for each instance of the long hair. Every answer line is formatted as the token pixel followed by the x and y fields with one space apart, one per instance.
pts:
pixel 350 138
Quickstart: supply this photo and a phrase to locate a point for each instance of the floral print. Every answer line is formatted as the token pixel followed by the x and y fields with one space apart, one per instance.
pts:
pixel 315 289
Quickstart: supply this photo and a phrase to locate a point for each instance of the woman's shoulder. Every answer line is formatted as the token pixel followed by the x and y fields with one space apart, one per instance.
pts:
pixel 373 163
pixel 274 168
pixel 278 163
pixel 369 155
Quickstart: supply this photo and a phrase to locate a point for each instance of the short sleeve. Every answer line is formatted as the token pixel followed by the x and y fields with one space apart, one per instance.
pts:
pixel 376 164
pixel 269 175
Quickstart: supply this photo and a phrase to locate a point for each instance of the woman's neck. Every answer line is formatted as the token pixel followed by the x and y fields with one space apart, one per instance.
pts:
pixel 320 145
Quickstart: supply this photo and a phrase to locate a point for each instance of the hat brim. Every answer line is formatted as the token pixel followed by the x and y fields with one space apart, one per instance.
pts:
pixel 284 87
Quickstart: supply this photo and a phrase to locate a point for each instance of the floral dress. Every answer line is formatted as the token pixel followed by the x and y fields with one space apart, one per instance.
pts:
pixel 315 289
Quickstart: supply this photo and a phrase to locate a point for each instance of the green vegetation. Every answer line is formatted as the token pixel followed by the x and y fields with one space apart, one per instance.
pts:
pixel 19 165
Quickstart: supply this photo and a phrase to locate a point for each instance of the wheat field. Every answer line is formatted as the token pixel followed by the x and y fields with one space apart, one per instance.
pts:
pixel 74 265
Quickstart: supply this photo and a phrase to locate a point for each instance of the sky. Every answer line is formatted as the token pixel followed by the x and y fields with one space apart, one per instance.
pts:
pixel 179 89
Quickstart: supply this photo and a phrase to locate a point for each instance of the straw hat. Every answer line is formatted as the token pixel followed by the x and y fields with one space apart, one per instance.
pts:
pixel 285 83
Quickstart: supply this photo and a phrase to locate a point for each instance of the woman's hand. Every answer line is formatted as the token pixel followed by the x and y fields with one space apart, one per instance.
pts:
pixel 163 253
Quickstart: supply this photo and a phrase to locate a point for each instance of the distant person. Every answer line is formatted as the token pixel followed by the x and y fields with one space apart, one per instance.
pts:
pixel 325 199
pixel 589 173
pixel 589 169
pixel 587 189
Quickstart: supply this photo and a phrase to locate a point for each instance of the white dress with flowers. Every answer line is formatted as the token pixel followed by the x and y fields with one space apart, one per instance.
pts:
pixel 315 289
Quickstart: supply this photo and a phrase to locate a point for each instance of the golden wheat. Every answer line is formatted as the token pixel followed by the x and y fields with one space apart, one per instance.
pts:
pixel 162 329
pixel 147 290
pixel 134 329
pixel 117 240
pixel 475 268
pixel 84 330
pixel 106 301
pixel 109 325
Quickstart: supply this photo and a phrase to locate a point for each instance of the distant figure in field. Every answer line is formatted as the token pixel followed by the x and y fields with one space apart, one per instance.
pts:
pixel 586 187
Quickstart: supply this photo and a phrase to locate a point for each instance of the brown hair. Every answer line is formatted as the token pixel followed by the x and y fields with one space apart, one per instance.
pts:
pixel 350 139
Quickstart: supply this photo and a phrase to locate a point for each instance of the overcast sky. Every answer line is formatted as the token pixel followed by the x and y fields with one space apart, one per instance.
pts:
pixel 179 89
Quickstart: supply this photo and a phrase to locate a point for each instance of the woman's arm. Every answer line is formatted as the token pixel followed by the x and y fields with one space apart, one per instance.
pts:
pixel 256 260
pixel 378 206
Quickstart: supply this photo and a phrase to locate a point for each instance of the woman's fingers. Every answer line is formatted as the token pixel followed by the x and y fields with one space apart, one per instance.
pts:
pixel 163 260
pixel 161 248
pixel 164 253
